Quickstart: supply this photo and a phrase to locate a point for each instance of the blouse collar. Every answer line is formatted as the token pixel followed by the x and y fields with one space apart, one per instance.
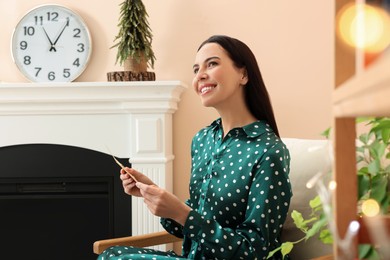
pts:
pixel 252 130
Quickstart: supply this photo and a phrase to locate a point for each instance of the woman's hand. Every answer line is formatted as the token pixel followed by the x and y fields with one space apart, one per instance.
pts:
pixel 129 183
pixel 163 203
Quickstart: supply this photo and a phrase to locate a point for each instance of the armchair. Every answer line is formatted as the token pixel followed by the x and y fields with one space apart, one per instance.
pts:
pixel 308 157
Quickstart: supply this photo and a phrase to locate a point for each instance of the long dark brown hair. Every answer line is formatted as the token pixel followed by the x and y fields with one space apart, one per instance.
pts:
pixel 256 94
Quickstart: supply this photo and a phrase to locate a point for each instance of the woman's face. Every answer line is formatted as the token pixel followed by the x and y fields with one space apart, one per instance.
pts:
pixel 217 81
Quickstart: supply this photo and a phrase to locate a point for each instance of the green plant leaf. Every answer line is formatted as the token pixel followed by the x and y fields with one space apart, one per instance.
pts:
pixel 379 188
pixel 317 226
pixel 363 171
pixel 286 248
pixel 270 254
pixel 359 159
pixel 385 203
pixel 361 149
pixel 326 237
pixel 363 119
pixel 364 138
pixel 326 133
pixel 377 149
pixel 381 127
pixel 364 184
pixel 386 135
pixel 308 221
pixel 298 220
pixel 368 252
pixel 316 202
pixel 364 250
pixel 374 167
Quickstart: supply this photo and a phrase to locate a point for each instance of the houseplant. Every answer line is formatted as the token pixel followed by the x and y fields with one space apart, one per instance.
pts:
pixel 373 164
pixel 133 43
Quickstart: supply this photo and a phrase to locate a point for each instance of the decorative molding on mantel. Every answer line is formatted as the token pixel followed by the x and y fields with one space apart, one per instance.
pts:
pixel 134 118
pixel 90 97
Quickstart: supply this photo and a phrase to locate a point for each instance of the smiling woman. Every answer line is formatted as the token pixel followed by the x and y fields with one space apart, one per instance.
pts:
pixel 216 73
pixel 239 189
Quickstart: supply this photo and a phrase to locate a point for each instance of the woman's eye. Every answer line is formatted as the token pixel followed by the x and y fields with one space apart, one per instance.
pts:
pixel 196 70
pixel 212 64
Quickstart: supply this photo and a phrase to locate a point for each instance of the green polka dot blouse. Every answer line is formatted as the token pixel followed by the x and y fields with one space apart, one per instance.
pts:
pixel 239 195
pixel 239 192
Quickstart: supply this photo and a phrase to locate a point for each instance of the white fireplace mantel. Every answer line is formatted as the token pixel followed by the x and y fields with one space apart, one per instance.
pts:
pixel 90 114
pixel 133 119
pixel 89 97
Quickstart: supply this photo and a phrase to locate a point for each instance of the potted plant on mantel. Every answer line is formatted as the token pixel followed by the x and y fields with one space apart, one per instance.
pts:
pixel 134 44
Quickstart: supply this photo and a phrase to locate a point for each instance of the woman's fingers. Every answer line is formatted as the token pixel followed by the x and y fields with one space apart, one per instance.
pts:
pixel 130 177
pixel 128 184
pixel 148 190
pixel 128 173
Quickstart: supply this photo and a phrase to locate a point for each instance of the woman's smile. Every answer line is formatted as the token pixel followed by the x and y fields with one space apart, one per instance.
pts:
pixel 206 88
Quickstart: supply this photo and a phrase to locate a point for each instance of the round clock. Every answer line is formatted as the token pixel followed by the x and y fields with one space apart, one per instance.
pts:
pixel 51 43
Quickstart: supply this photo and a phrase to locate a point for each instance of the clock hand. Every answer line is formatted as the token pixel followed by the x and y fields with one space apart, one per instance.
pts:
pixel 63 29
pixel 52 47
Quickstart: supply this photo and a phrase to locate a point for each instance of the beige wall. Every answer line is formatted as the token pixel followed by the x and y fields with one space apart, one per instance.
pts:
pixel 292 39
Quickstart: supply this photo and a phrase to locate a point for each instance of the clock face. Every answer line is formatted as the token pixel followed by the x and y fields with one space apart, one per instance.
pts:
pixel 51 43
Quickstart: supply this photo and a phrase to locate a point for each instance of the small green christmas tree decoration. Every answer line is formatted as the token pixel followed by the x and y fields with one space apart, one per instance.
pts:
pixel 134 40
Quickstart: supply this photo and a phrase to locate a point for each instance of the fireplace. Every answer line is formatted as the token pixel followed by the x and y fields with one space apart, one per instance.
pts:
pixel 57 200
pixel 53 156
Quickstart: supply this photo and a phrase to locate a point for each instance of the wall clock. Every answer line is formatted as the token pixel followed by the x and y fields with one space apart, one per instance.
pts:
pixel 51 43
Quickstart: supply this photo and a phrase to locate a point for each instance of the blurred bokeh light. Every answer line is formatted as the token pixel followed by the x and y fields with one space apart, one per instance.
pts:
pixel 370 208
pixel 364 26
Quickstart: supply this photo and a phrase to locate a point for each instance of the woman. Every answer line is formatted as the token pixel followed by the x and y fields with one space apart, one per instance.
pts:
pixel 239 188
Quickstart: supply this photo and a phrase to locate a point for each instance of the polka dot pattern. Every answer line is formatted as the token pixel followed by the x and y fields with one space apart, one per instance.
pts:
pixel 134 253
pixel 239 192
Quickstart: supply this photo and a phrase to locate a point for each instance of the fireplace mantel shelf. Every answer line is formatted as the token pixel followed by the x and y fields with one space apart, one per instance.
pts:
pixel 87 114
pixel 89 97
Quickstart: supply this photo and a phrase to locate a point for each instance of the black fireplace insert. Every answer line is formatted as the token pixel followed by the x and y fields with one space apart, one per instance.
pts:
pixel 56 200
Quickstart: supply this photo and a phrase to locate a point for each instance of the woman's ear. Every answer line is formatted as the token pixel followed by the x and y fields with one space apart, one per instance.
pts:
pixel 244 77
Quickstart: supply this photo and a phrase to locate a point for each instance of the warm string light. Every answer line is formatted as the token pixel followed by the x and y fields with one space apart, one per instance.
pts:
pixel 332 185
pixel 376 227
pixel 370 208
pixel 364 26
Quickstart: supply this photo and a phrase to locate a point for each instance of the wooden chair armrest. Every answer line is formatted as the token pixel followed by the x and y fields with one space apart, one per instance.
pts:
pixel 151 239
pixel 325 257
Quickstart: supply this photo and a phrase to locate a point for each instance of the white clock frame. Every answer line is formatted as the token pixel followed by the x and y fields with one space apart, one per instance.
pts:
pixel 51 43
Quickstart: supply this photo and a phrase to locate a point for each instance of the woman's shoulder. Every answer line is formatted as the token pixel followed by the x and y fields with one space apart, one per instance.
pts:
pixel 260 135
pixel 278 144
